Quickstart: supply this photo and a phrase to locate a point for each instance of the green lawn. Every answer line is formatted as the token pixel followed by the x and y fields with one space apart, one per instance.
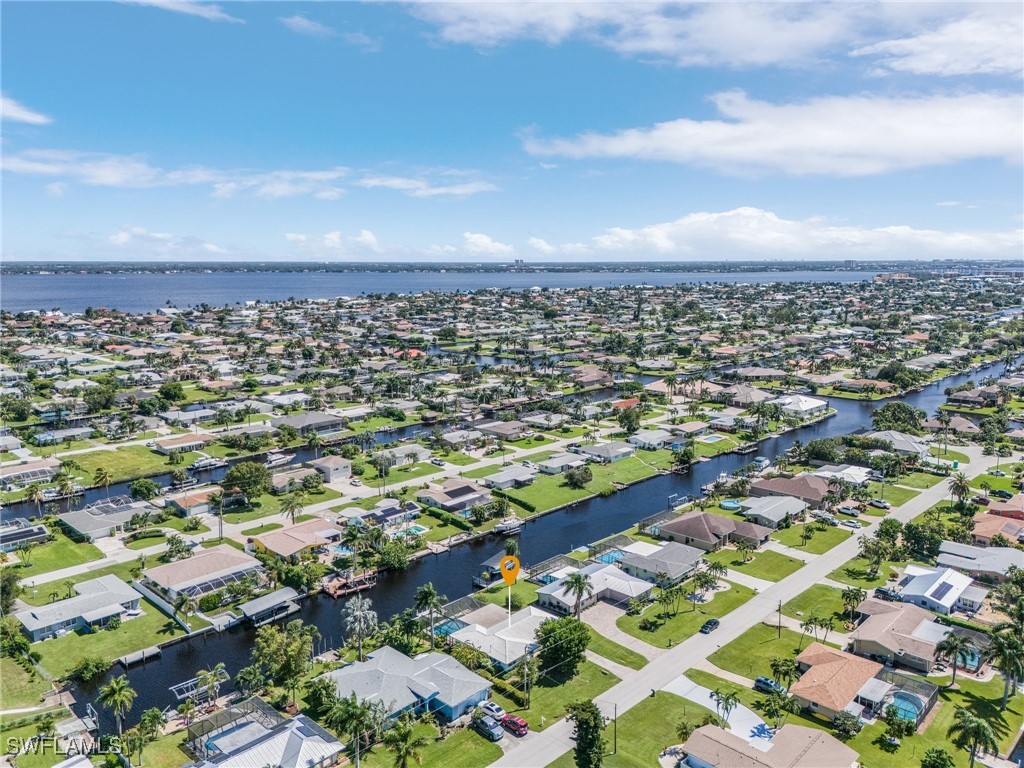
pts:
pixel 457 458
pixel 40 595
pixel 374 423
pixel 751 653
pixel 820 599
pixel 178 524
pixel 60 654
pixel 266 528
pixel 949 454
pixel 821 541
pixel 677 628
pixel 479 472
pixel 612 651
pixel 891 493
pixel 1007 483
pixel 18 688
pixel 644 731
pixel 550 696
pixel 550 491
pixel 463 749
pixel 149 541
pixel 920 480
pixel 727 443
pixel 267 504
pixel 768 565
pixel 856 572
pixel 498 594
pixel 167 751
pixel 126 463
pixel 24 727
pixel 62 552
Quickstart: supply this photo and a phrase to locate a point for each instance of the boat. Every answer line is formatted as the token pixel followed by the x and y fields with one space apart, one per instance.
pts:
pixel 276 459
pixel 510 524
pixel 207 462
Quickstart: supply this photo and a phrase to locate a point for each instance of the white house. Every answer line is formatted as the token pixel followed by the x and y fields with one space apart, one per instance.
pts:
pixel 801 406
pixel 942 590
pixel 607 582
pixel 651 439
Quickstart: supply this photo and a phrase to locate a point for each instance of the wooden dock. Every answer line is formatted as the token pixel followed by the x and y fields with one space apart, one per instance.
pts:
pixel 339 587
pixel 139 656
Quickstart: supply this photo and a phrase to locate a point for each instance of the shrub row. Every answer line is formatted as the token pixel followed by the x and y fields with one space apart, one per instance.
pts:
pixel 529 507
pixel 449 519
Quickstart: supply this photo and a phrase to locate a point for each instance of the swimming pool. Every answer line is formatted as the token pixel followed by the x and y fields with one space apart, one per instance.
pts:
pixel 711 438
pixel 413 530
pixel 341 550
pixel 972 659
pixel 730 504
pixel 611 556
pixel 908 706
pixel 448 627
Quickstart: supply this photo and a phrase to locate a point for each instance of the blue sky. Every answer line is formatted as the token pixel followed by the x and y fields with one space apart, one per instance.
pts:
pixel 469 132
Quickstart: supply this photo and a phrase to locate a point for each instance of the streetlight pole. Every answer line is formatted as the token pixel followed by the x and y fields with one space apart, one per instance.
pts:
pixel 780 620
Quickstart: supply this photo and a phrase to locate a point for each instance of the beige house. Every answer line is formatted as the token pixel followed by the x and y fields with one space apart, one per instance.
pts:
pixel 832 681
pixel 792 746
pixel 899 633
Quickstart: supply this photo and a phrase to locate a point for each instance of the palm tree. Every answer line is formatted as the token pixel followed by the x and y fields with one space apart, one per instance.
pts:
pixel 972 733
pixel 960 487
pixel 746 549
pixel 292 505
pixel 428 599
pixel 315 442
pixel 957 649
pixel 1006 652
pixel 875 551
pixel 185 604
pixel 103 478
pixel 725 702
pixel 852 597
pixel 360 620
pixel 187 710
pixel 118 696
pixel 354 538
pixel 34 493
pixel 784 669
pixel 403 741
pixel 777 705
pixel 511 547
pixel 210 679
pixel 717 571
pixel 578 585
pixel 354 718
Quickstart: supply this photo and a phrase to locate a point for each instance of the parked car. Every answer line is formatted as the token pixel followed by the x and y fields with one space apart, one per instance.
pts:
pixel 981 499
pixel 515 724
pixel 492 709
pixel 880 504
pixel 437 462
pixel 1001 494
pixel 997 473
pixel 887 593
pixel 855 524
pixel 709 626
pixel 767 685
pixel 849 509
pixel 529 465
pixel 355 481
pixel 488 727
pixel 825 517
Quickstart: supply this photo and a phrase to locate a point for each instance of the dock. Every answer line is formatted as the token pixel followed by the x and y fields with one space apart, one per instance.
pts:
pixel 270 607
pixel 339 587
pixel 140 656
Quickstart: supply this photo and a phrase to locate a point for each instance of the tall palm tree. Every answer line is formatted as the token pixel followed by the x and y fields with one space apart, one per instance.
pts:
pixel 187 710
pixel 725 702
pixel 852 597
pixel 717 571
pixel 354 718
pixel 292 505
pixel 960 487
pixel 579 586
pixel 402 740
pixel 360 620
pixel 118 696
pixel 354 538
pixel 103 478
pixel 784 669
pixel 1006 652
pixel 315 442
pixel 34 493
pixel 428 599
pixel 957 649
pixel 210 680
pixel 972 733
pixel 185 604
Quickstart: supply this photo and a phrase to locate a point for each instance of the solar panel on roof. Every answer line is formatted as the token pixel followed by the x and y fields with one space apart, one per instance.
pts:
pixel 941 591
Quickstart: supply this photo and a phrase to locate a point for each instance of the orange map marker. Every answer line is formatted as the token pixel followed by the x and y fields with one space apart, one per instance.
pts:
pixel 510 569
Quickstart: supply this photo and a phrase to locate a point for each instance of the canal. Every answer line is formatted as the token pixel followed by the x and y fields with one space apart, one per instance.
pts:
pixel 452 572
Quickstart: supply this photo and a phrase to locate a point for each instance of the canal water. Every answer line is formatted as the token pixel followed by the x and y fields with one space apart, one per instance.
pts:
pixel 452 572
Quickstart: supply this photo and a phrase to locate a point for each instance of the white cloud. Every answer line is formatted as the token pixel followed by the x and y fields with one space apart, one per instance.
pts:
pixel 539 244
pixel 362 40
pixel 208 11
pixel 417 187
pixel 834 135
pixel 332 240
pixel 924 38
pixel 305 26
pixel 745 233
pixel 295 237
pixel 335 241
pixel 483 245
pixel 138 241
pixel 56 189
pixel 215 249
pixel 366 239
pixel 15 112
pixel 987 42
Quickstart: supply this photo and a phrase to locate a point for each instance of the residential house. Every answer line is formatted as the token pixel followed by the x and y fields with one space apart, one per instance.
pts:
pixel 432 682
pixel 298 540
pixel 989 564
pixel 710 532
pixel 462 438
pixel 757 373
pixel 453 495
pixel 38 471
pixel 310 422
pixel 104 518
pixel 674 562
pixel 180 444
pixel 332 469
pixel 941 590
pixel 1012 508
pixel 504 430
pixel 607 453
pixel 95 603
pixel 808 488
pixel 607 582
pixel 504 639
pixel 651 439
pixel 741 395
pixel 560 462
pixel 207 570
pixel 286 482
pixel 514 476
pixel 409 453
pixel 792 746
pixel 801 406
pixel 772 511
pixel 987 527
pixel 982 397
pixel 832 681
pixel 195 501
pixel 958 425
pixel 20 532
pixel 908 445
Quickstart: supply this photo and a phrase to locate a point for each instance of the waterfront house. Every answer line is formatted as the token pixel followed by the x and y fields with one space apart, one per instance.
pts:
pixel 291 480
pixel 651 439
pixel 503 639
pixel 332 469
pixel 608 583
pixel 513 476
pixel 194 501
pixel 95 603
pixel 38 471
pixel 607 453
pixel 310 422
pixel 792 746
pixel 908 445
pixel 560 462
pixel 801 406
pixel 504 430
pixel 941 590
pixel 710 532
pixel 407 454
pixel 453 495
pixel 180 444
pixel 207 570
pixel 298 540
pixel 677 562
pixel 772 511
pixel 808 488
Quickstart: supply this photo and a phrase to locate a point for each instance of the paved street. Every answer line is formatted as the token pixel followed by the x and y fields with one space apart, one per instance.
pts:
pixel 540 748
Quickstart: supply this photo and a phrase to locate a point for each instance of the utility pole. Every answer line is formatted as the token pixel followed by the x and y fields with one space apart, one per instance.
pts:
pixel 780 620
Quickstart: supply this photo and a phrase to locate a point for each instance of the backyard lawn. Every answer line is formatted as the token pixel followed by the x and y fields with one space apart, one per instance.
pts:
pixel 62 552
pixel 644 731
pixel 126 463
pixel 751 653
pixel 891 493
pixel 550 696
pixel 498 594
pixel 920 480
pixel 856 572
pixel 550 491
pixel 167 751
pixel 612 651
pixel 60 654
pixel 820 541
pixel 41 595
pixel 677 628
pixel 463 749
pixel 767 565
pixel 267 504
pixel 19 689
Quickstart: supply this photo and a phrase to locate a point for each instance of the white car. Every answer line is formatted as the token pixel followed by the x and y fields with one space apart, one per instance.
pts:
pixel 492 709
pixel 355 481
pixel 850 524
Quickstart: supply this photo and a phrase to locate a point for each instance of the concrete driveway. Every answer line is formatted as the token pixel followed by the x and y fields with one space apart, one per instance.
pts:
pixel 743 722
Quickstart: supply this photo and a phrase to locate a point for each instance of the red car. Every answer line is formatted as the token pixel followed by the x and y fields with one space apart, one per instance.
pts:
pixel 516 725
pixel 981 499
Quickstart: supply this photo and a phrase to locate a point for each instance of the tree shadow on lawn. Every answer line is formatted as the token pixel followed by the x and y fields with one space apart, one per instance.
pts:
pixel 988 709
pixel 169 627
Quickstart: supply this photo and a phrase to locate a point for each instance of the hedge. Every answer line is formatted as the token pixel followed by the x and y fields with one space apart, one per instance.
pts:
pixel 449 519
pixel 529 507
pixel 146 533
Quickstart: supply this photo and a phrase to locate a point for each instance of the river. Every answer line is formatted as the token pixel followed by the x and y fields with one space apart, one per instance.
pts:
pixel 146 292
pixel 452 572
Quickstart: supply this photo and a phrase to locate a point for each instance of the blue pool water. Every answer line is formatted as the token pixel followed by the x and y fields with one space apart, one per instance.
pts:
pixel 611 556
pixel 448 627
pixel 972 660
pixel 712 438
pixel 341 549
pixel 907 705
pixel 731 504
